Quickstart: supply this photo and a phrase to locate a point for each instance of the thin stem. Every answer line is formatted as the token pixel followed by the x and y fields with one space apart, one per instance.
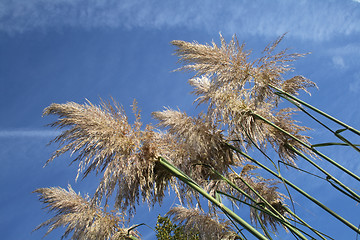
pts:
pixel 243 192
pixel 218 197
pixel 184 178
pixel 346 141
pixel 262 225
pixel 342 190
pixel 285 223
pixel 315 109
pixel 277 169
pixel 309 147
pixel 314 200
pixel 291 227
pixel 260 207
pixel 328 175
pixel 320 234
pixel 322 124
pixel 301 170
pixel 331 144
pixel 270 212
pixel 305 224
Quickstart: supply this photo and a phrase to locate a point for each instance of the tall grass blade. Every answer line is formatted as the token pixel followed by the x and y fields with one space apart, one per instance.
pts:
pixel 311 198
pixel 356 197
pixel 282 93
pixel 184 178
pixel 310 148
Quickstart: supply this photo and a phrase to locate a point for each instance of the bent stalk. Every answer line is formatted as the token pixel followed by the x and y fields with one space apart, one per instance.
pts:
pixel 184 178
pixel 328 175
pixel 271 211
pixel 310 148
pixel 314 200
pixel 336 133
pixel 281 92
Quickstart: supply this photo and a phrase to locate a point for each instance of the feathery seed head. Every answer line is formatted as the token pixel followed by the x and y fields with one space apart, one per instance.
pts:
pixel 208 227
pixel 280 141
pixel 237 89
pixel 248 180
pixel 105 141
pixel 82 218
pixel 294 84
pixel 201 143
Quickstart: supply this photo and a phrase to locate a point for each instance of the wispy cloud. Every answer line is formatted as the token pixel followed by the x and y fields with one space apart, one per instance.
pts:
pixel 28 133
pixel 354 86
pixel 315 20
pixel 339 62
pixel 346 58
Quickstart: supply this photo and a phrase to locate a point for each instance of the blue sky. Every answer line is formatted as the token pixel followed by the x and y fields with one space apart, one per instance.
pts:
pixel 62 50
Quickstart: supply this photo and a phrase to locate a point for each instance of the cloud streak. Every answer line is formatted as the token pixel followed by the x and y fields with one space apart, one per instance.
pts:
pixel 305 19
pixel 28 133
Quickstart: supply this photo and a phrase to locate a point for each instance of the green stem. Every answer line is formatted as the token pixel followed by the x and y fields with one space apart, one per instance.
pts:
pixel 218 197
pixel 262 225
pixel 348 143
pixel 301 170
pixel 305 224
pixel 328 175
pixel 331 144
pixel 314 200
pixel 271 207
pixel 309 147
pixel 277 169
pixel 285 223
pixel 180 175
pixel 271 211
pixel 243 192
pixel 316 110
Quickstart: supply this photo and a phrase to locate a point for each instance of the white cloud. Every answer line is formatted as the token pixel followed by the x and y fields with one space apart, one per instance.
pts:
pixel 315 20
pixel 349 49
pixel 354 86
pixel 339 62
pixel 28 133
pixel 344 57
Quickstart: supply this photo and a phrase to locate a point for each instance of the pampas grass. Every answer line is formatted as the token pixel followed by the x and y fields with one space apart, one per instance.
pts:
pixel 191 155
pixel 80 217
pixel 104 141
pixel 208 227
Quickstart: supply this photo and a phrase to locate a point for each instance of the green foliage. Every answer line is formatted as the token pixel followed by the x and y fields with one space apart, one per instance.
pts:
pixel 167 230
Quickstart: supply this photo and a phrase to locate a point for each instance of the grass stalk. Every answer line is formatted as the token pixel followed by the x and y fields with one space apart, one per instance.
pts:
pixel 184 178
pixel 281 92
pixel 277 168
pixel 285 223
pixel 336 133
pixel 279 173
pixel 218 197
pixel 328 175
pixel 270 211
pixel 309 147
pixel 262 226
pixel 311 198
pixel 320 234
